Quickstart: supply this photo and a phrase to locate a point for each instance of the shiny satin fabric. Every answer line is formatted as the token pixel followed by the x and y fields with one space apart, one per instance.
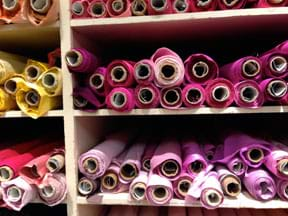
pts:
pixel 13 13
pixel 7 101
pixel 34 69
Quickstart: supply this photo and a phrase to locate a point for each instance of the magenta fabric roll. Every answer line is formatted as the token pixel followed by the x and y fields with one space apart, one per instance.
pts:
pixel 181 6
pixel 260 184
pixel 85 99
pixel 193 95
pixel 282 186
pixel 122 8
pixel 219 93
pixel 283 47
pixel 144 71
pixel 169 68
pixel 267 3
pixel 121 99
pixel 79 9
pixel 244 68
pixel 236 4
pixel 194 160
pixel 274 89
pixel 199 5
pixel 103 153
pixel 167 150
pixel 171 98
pixel 184 180
pixel 81 61
pixel 200 68
pixel 147 155
pixel 156 184
pixel 209 151
pixel 97 4
pixel 147 96
pixel 120 73
pixel 248 94
pixel 138 186
pixel 156 7
pixel 97 82
pixel 237 166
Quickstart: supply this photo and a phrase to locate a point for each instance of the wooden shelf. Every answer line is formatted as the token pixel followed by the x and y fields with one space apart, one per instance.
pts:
pixel 19 114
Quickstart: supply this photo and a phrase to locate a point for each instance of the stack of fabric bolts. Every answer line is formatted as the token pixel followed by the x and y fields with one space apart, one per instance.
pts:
pixel 189 169
pixel 32 169
pixel 125 8
pixel 165 80
pixel 30 85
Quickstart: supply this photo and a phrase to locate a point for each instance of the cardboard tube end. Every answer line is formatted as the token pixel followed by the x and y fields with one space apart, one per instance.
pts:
pixel 40 6
pixel 10 86
pixel 32 98
pixel 146 165
pixel 142 71
pixel 79 102
pixel 196 166
pixel 146 95
pixel 170 168
pixel 160 193
pixel 73 58
pixel 109 181
pixel 6 173
pixel 98 9
pixel 249 94
pixel 128 171
pixel 90 165
pixel 168 72
pixel 255 155
pixel 14 194
pixel 55 163
pixel 96 81
pixel 9 5
pixel 278 64
pixel 158 5
pixel 200 69
pixel 118 99
pixel 118 5
pixel 183 187
pixel 85 187
pixel 251 68
pixel 193 96
pixel 47 191
pixel 231 186
pixel 283 166
pixel 180 6
pixel 49 80
pixel 220 93
pixel 213 198
pixel 277 88
pixel 171 97
pixel 138 191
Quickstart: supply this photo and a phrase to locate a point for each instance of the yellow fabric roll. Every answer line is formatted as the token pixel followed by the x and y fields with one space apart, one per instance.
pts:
pixel 13 84
pixel 51 81
pixel 34 102
pixel 34 69
pixel 7 102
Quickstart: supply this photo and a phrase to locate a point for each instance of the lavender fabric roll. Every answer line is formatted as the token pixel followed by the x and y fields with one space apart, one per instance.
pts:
pixel 144 71
pixel 274 89
pixel 121 99
pixel 237 166
pixel 87 186
pixel 138 186
pixel 182 184
pixel 147 96
pixel 85 99
pixel 171 98
pixel 147 155
pixel 260 184
pixel 81 61
pixel 200 68
pixel 219 93
pixel 94 162
pixel 166 160
pixel 97 82
pixel 282 189
pixel 244 68
pixel 248 94
pixel 193 95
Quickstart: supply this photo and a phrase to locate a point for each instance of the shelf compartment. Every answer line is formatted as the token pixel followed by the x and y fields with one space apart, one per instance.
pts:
pixel 20 114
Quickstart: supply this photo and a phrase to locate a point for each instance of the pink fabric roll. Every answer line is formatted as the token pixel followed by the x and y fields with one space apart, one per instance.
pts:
pixel 168 151
pixel 182 184
pixel 237 166
pixel 144 71
pixel 122 8
pixel 209 151
pixel 200 68
pixel 121 99
pixel 282 186
pixel 159 190
pixel 103 154
pixel 171 98
pixel 260 184
pixel 200 5
pixel 244 68
pixel 236 4
pixel 193 95
pixel 138 186
pixel 156 7
pixel 219 93
pixel 53 189
pixel 169 68
pixel 181 6
pixel 98 83
pixel 248 94
pixel 79 9
pixel 147 96
pixel 85 99
pixel 147 155
pixel 283 47
pixel 267 3
pixel 24 193
pixel 274 89
pixel 97 9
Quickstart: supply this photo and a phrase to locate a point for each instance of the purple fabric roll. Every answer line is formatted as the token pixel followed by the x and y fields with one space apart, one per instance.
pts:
pixel 237 166
pixel 193 95
pixel 144 72
pixel 200 68
pixel 171 98
pixel 138 186
pixel 97 82
pixel 274 89
pixel 81 61
pixel 182 184
pixel 245 68
pixel 147 96
pixel 147 156
pixel 260 184
pixel 121 99
pixel 248 94
pixel 282 189
pixel 209 151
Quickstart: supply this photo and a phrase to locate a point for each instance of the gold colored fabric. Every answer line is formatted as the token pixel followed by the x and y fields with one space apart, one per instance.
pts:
pixel 42 67
pixel 46 85
pixel 18 80
pixel 7 102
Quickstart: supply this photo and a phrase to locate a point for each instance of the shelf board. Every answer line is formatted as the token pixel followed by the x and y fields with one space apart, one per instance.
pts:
pixel 242 201
pixel 39 201
pixel 20 114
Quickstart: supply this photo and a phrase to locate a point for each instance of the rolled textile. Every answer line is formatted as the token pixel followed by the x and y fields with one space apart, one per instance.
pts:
pixel 202 5
pixel 147 96
pixel 260 184
pixel 139 7
pixel 200 68
pixel 169 68
pixel 79 9
pixel 194 160
pixel 85 99
pixel 209 151
pixel 53 188
pixel 87 186
pixel 159 190
pixel 7 102
pixel 181 6
pixel 80 60
pixel 97 9
pixel 138 186
pixel 166 160
pixel 51 81
pixel 54 58
pixel 179 211
pixel 282 189
pixel 270 3
pixel 118 8
pixel 120 73
pixel 149 210
pixel 249 67
pixel 34 69
pixel 98 83
pixel 227 4
pixel 171 98
pixel 156 7
pixel 94 162
pixel 13 84
pixel 144 71
pixel 56 161
pixel 121 99
pixel 231 184
pixel 219 93
pixel 248 94
pixel 237 166
pixel 17 193
pixel 147 155
pixel 182 184
pixel 274 89
pixel 193 95
pixel 13 11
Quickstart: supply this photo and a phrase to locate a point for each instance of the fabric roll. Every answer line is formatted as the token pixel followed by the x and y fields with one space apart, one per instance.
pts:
pixel 219 93
pixel 182 184
pixel 181 6
pixel 156 7
pixel 79 9
pixel 138 187
pixel 200 5
pixel 51 82
pixel 94 162
pixel 274 89
pixel 171 98
pixel 260 184
pixel 169 68
pixel 120 73
pixel 54 58
pixel 194 160
pixel 97 9
pixel 7 102
pixel 147 155
pixel 118 8
pixel 144 71
pixel 248 94
pixel 121 99
pixel 34 69
pixel 53 189
pixel 166 160
pixel 87 186
pixel 209 151
pixel 270 3
pixel 159 190
pixel 13 12
pixel 200 68
pixel 139 7
pixel 147 96
pixel 13 84
pixel 194 212
pixel 193 95
pixel 236 4
pixel 80 60
pixel 179 211
pixel 237 166
pixel 249 67
pixel 98 83
pixel 149 210
pixel 56 161
pixel 282 189
pixel 17 193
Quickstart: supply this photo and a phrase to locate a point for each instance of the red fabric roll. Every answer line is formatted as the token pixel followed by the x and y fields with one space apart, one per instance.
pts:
pixel 171 98
pixel 121 99
pixel 156 7
pixel 271 3
pixel 79 9
pixel 147 96
pixel 181 6
pixel 97 9
pixel 122 8
pixel 144 71
pixel 227 4
pixel 202 5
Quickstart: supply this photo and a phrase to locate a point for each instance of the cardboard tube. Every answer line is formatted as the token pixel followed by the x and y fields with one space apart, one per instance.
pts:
pixel 86 186
pixel 139 8
pixel 109 181
pixel 278 64
pixel 14 194
pixel 96 81
pixel 146 95
pixel 220 93
pixel 180 6
pixel 55 163
pixel 159 194
pixel 9 5
pixel 249 94
pixel 128 171
pixel 231 185
pixel 138 191
pixel 193 96
pixel 47 191
pixel 142 71
pixel 49 80
pixel 33 72
pixel 170 168
pixel 183 187
pixel 230 3
pixel 203 3
pixel 90 165
pixel 73 58
pixel 11 86
pixel 32 98
pixel 196 167
pixel 168 71
pixel 79 102
pixel 277 88
pixel 282 167
pixel 255 155
pixel 78 9
pixel 251 68
pixel 171 97
pixel 118 5
pixel 40 6
pixel 119 74
pixel 238 167
pixel 212 197
pixel 118 99
pixel 6 173
pixel 98 9
pixel 159 5
pixel 200 69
